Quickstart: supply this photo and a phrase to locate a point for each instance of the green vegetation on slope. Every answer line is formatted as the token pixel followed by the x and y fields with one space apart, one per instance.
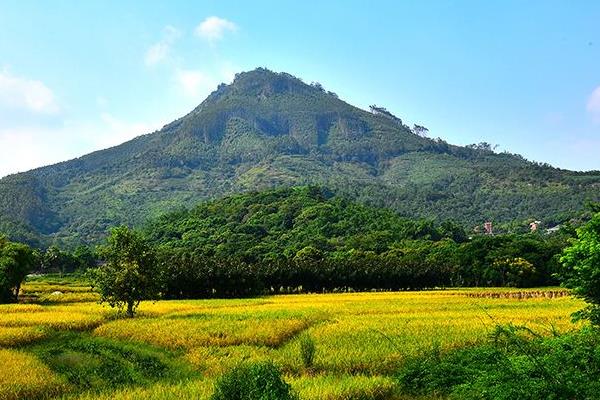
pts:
pixel 306 239
pixel 269 130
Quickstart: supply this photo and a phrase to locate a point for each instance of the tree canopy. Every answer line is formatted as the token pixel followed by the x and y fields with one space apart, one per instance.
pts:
pixel 129 273
pixel 16 261
pixel 581 270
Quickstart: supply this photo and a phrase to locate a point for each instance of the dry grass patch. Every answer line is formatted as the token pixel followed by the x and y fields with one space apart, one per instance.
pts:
pixel 23 376
pixel 16 336
pixel 77 316
pixel 195 389
pixel 206 330
pixel 216 360
pixel 343 387
pixel 57 319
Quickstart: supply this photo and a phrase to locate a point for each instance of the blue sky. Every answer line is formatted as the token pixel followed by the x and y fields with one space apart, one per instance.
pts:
pixel 77 76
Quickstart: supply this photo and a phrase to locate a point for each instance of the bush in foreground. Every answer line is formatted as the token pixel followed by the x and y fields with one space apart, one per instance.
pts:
pixel 511 367
pixel 259 381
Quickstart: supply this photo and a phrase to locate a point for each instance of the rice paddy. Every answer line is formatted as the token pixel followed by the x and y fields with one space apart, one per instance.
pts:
pixel 71 348
pixel 23 376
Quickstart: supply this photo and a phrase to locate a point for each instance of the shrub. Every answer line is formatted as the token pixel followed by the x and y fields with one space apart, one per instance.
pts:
pixel 516 367
pixel 307 351
pixel 439 374
pixel 259 381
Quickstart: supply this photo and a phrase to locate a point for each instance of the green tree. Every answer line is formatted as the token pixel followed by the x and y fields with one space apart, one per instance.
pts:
pixel 511 271
pixel 130 272
pixel 581 268
pixel 57 260
pixel 84 257
pixel 16 261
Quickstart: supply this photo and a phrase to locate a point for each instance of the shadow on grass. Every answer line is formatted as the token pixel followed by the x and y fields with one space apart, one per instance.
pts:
pixel 95 364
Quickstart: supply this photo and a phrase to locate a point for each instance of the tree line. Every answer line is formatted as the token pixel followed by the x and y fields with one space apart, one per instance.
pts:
pixel 510 260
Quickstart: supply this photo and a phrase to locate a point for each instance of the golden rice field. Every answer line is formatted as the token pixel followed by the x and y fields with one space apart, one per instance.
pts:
pixel 361 338
pixel 23 376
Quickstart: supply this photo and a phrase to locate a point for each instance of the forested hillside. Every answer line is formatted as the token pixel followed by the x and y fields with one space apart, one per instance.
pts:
pixel 268 130
pixel 280 223
pixel 306 237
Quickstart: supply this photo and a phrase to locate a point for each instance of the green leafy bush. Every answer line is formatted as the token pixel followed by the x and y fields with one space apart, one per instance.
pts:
pixel 514 366
pixel 259 381
pixel 130 273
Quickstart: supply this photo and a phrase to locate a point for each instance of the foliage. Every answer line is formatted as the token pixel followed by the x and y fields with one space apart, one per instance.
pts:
pixel 55 259
pixel 16 260
pixel 259 381
pixel 130 272
pixel 516 367
pixel 581 270
pixel 270 130
pixel 306 239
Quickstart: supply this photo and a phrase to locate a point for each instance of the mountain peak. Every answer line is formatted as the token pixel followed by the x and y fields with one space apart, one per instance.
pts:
pixel 258 83
pixel 264 82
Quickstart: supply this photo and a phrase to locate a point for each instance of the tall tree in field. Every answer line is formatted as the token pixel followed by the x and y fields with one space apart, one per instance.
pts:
pixel 130 272
pixel 16 261
pixel 581 268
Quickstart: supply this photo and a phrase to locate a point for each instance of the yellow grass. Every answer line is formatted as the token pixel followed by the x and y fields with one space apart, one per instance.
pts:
pixel 56 317
pixel 361 338
pixel 57 291
pixel 355 333
pixel 215 360
pixel 192 330
pixel 23 376
pixel 195 389
pixel 322 387
pixel 344 387
pixel 16 336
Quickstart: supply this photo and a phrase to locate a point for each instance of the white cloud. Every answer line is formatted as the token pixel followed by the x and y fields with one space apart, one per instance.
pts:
pixel 159 51
pixel 195 83
pixel 23 149
pixel 214 28
pixel 23 94
pixel 116 131
pixel 101 101
pixel 593 105
pixel 27 147
pixel 228 71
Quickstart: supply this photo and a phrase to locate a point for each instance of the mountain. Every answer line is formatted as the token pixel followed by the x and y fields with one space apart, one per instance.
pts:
pixel 270 129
